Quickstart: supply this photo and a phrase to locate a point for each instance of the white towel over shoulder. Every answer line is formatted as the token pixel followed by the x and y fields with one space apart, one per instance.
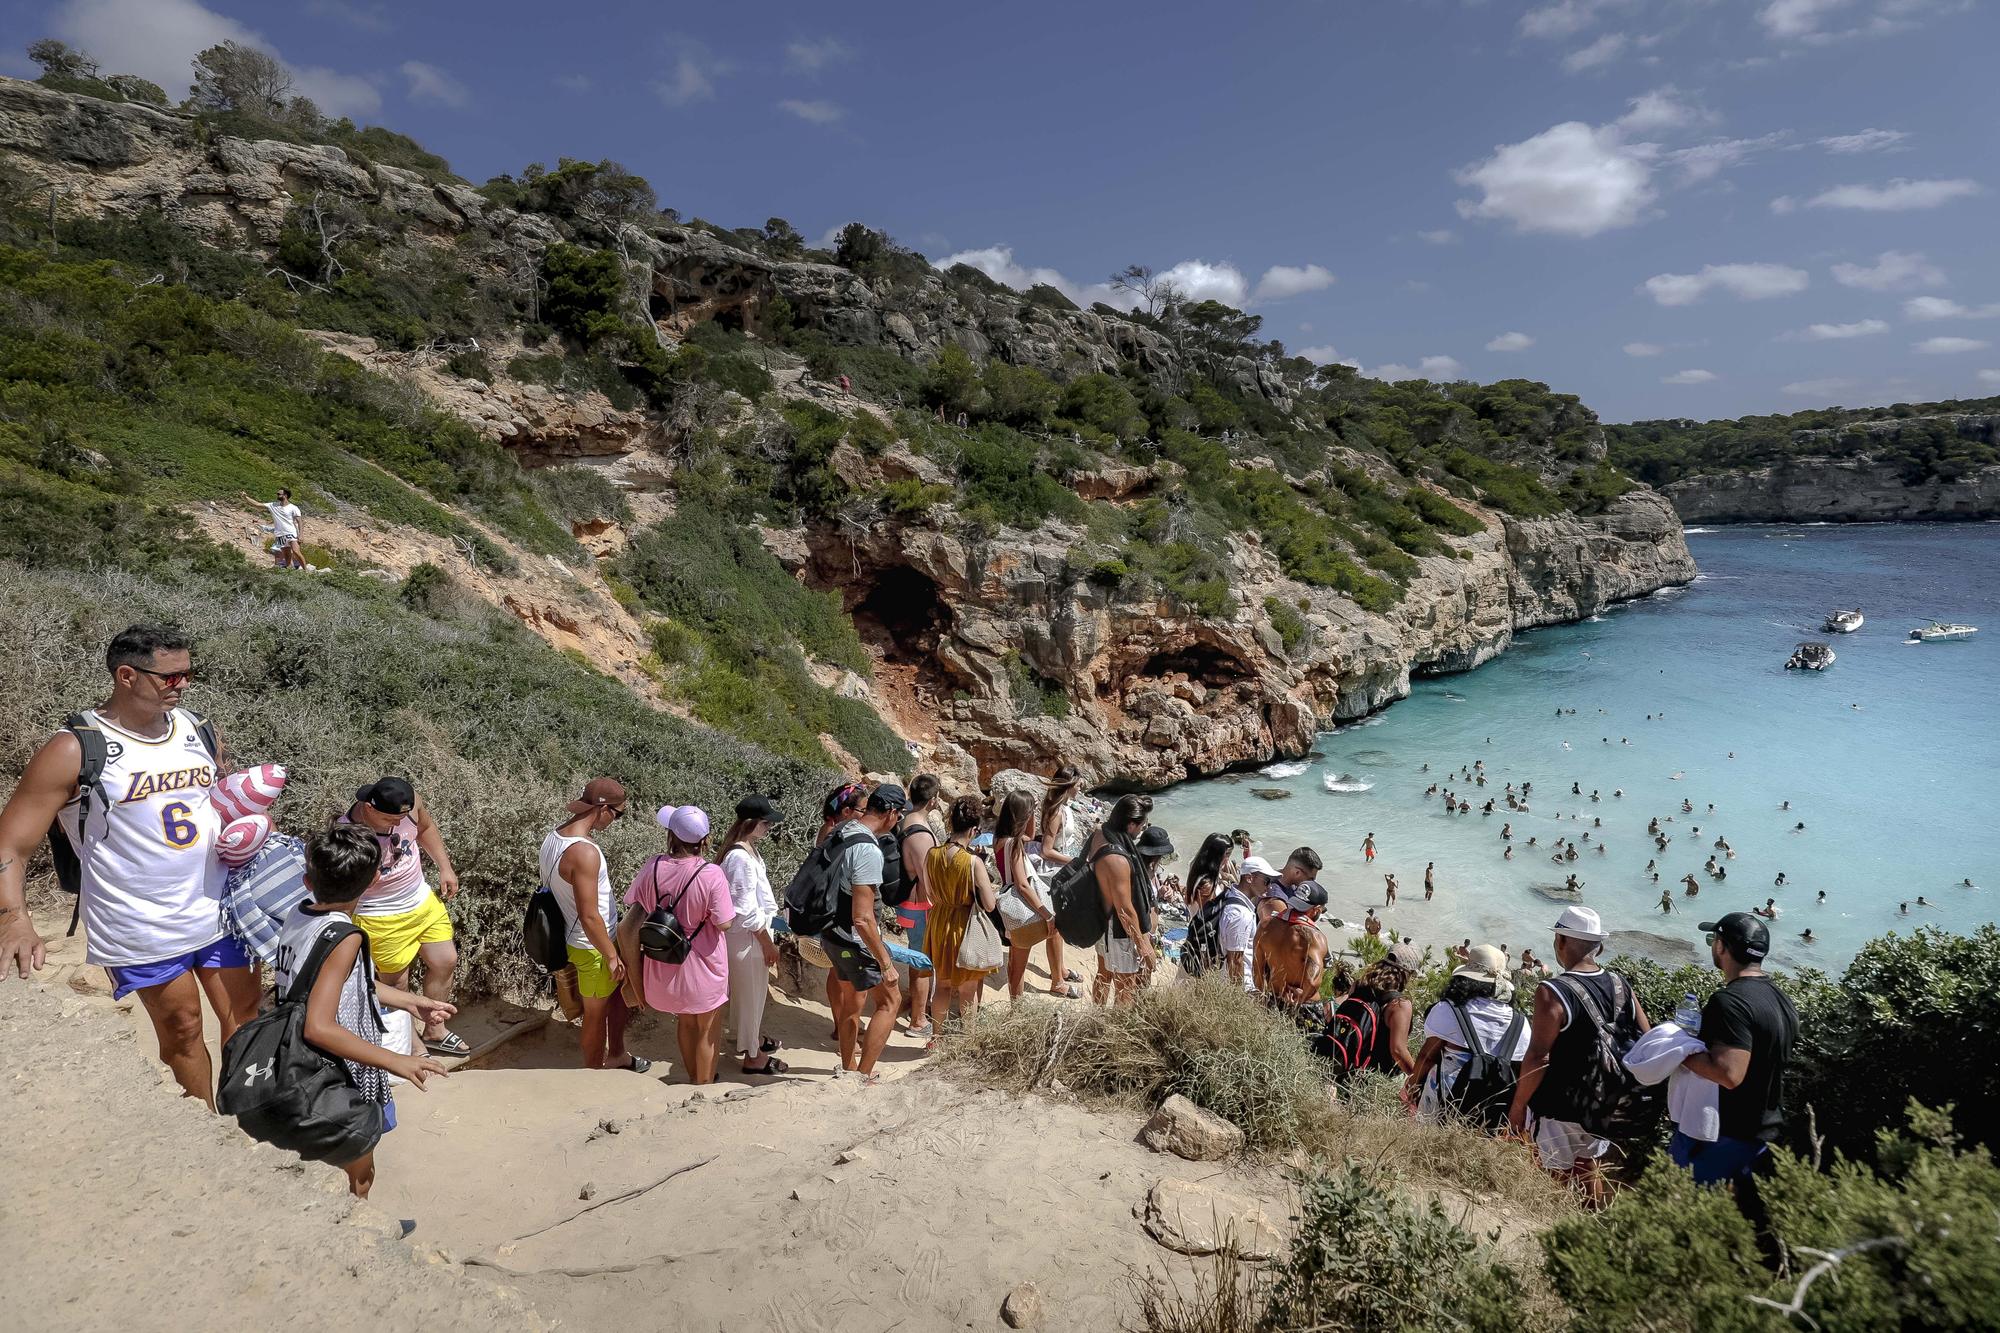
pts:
pixel 1691 1099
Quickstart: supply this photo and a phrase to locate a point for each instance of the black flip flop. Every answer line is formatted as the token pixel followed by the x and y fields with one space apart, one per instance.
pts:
pixel 773 1066
pixel 638 1064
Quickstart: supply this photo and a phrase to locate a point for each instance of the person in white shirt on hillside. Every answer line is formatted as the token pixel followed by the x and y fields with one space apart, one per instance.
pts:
pixel 284 528
pixel 1480 987
pixel 752 951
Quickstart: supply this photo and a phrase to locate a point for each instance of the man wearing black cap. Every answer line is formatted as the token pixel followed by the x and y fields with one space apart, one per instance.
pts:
pixel 399 914
pixel 1290 954
pixel 1750 1028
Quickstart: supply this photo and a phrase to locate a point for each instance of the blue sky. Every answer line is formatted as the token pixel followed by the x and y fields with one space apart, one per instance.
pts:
pixel 1670 207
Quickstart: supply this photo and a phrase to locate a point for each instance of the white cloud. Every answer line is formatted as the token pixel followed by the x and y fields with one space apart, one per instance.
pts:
pixel 1570 179
pixel 1643 349
pixel 158 39
pixel 1325 354
pixel 811 55
pixel 1689 377
pixel 428 83
pixel 1438 236
pixel 818 111
pixel 1511 342
pixel 1429 368
pixel 1816 388
pixel 1893 271
pixel 1794 19
pixel 1784 204
pixel 1283 280
pixel 1867 141
pixel 691 76
pixel 1819 333
pixel 1599 53
pixel 1949 346
pixel 1199 280
pixel 998 263
pixel 1898 196
pixel 1563 18
pixel 1749 282
pixel 1989 377
pixel 1701 161
pixel 1664 108
pixel 1940 307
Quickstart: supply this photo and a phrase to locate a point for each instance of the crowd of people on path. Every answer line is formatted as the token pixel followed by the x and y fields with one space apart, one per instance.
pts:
pixel 915 901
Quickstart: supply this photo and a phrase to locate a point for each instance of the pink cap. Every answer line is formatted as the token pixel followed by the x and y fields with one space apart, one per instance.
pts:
pixel 686 822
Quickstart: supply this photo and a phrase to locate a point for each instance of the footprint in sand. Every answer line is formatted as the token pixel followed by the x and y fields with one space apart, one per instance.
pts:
pixel 792 1314
pixel 921 1281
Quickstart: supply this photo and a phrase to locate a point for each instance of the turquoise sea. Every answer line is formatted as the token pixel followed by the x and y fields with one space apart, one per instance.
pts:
pixel 1891 757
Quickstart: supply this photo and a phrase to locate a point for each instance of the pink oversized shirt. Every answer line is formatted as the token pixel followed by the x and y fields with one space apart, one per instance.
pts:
pixel 700 984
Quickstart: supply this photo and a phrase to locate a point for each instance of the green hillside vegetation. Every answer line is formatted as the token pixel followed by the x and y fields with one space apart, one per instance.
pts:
pixel 1907 436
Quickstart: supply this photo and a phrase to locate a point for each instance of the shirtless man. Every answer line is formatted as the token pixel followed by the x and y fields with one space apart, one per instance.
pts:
pixel 1430 879
pixel 1290 953
pixel 1368 846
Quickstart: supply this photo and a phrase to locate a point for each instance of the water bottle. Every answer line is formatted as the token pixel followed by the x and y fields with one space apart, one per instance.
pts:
pixel 1688 1017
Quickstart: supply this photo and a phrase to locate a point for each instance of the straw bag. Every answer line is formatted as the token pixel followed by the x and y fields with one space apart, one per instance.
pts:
pixel 981 949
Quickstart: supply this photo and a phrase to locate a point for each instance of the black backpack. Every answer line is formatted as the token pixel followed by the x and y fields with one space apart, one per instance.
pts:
pixel 544 933
pixel 1608 1100
pixel 1351 1035
pixel 812 899
pixel 897 882
pixel 68 858
pixel 1202 949
pixel 1078 904
pixel 1484 1088
pixel 285 1091
pixel 662 937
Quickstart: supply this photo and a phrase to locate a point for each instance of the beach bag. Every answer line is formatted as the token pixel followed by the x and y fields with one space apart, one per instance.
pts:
pixel 662 937
pixel 1349 1037
pixel 1078 904
pixel 981 949
pixel 1484 1088
pixel 1608 1100
pixel 544 933
pixel 288 1093
pixel 68 857
pixel 258 895
pixel 1016 912
pixel 812 899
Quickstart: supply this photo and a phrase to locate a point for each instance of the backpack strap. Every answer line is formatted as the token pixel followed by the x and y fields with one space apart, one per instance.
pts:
pixel 330 934
pixel 1582 997
pixel 206 730
pixel 1476 1060
pixel 89 783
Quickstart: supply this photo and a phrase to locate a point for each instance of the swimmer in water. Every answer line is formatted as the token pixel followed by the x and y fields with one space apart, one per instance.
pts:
pixel 1666 901
pixel 1799 827
pixel 1902 909
pixel 1822 897
pixel 1507 853
pixel 1967 884
pixel 1807 934
pixel 1923 901
pixel 1779 882
pixel 1784 805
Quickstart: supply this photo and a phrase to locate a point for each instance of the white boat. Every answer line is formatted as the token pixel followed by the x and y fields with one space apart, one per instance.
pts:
pixel 1810 656
pixel 1940 630
pixel 1844 622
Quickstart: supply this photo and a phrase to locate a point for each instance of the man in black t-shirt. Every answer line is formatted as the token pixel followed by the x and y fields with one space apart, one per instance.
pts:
pixel 1750 1028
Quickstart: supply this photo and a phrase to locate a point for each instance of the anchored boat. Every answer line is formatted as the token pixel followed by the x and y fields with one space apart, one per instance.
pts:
pixel 1811 655
pixel 1939 631
pixel 1844 622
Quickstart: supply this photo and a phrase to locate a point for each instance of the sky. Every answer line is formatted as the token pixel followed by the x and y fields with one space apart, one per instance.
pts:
pixel 1672 208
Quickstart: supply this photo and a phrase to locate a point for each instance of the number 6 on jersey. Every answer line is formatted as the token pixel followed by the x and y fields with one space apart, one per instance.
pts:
pixel 176 827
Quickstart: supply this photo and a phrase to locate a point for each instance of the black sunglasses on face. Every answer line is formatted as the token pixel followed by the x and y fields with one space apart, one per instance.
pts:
pixel 171 679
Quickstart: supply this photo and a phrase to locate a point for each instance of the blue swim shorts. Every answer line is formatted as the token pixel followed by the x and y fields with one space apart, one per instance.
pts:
pixel 225 952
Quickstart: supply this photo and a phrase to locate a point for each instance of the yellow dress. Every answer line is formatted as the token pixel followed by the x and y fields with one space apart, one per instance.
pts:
pixel 949 868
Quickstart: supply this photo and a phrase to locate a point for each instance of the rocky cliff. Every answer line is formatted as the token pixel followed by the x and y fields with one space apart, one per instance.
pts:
pixel 1833 490
pixel 993 646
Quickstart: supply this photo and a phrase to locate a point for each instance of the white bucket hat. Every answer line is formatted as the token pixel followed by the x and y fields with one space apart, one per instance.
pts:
pixel 1581 923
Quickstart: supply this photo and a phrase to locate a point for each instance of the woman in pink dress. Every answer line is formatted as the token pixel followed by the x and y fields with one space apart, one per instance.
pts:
pixel 684 881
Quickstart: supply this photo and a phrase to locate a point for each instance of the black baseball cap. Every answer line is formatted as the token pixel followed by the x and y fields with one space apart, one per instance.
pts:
pixel 760 807
pixel 392 796
pixel 1306 895
pixel 1742 934
pixel 889 796
pixel 1154 842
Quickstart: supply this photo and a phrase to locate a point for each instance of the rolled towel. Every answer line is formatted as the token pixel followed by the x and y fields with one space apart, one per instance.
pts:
pixel 241 839
pixel 250 792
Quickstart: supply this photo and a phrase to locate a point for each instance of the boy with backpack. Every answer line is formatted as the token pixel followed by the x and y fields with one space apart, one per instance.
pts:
pixel 323 967
pixel 1573 1078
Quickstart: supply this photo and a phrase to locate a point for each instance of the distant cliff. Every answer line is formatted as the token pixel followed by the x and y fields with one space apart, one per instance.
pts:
pixel 1910 462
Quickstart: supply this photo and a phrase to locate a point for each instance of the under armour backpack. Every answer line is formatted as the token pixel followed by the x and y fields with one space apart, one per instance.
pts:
pixel 812 899
pixel 68 856
pixel 285 1091
pixel 1484 1088
pixel 1609 1101
pixel 544 933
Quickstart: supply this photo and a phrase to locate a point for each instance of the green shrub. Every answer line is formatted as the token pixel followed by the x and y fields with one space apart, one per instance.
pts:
pixel 907 497
pixel 576 494
pixel 1293 631
pixel 1005 484
pixel 1034 694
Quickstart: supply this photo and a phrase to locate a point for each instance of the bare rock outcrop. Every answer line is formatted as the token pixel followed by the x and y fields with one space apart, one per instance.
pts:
pixel 1833 490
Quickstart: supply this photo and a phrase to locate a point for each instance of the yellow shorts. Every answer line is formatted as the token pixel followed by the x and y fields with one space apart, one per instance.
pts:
pixel 393 940
pixel 593 973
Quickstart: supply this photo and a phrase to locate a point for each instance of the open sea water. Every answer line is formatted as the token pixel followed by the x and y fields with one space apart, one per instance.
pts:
pixel 1890 757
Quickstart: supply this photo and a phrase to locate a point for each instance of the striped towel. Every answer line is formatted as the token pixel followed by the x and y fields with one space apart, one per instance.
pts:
pixel 257 896
pixel 901 953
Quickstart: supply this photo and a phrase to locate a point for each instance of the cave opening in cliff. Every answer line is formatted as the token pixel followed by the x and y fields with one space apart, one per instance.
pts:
pixel 902 616
pixel 1198 661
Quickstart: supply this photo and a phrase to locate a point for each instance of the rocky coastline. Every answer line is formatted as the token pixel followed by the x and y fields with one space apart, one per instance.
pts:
pixel 1833 490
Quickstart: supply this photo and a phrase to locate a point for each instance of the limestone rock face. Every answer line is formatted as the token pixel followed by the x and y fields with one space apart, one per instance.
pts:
pixel 1834 490
pixel 1146 694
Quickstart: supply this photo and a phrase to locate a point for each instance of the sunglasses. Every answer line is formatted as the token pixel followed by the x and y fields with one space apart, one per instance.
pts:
pixel 171 679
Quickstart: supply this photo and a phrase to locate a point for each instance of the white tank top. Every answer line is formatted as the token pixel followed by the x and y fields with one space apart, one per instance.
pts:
pixel 553 848
pixel 152 886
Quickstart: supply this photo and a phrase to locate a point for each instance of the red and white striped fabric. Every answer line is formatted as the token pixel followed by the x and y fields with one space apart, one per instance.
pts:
pixel 250 792
pixel 240 839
